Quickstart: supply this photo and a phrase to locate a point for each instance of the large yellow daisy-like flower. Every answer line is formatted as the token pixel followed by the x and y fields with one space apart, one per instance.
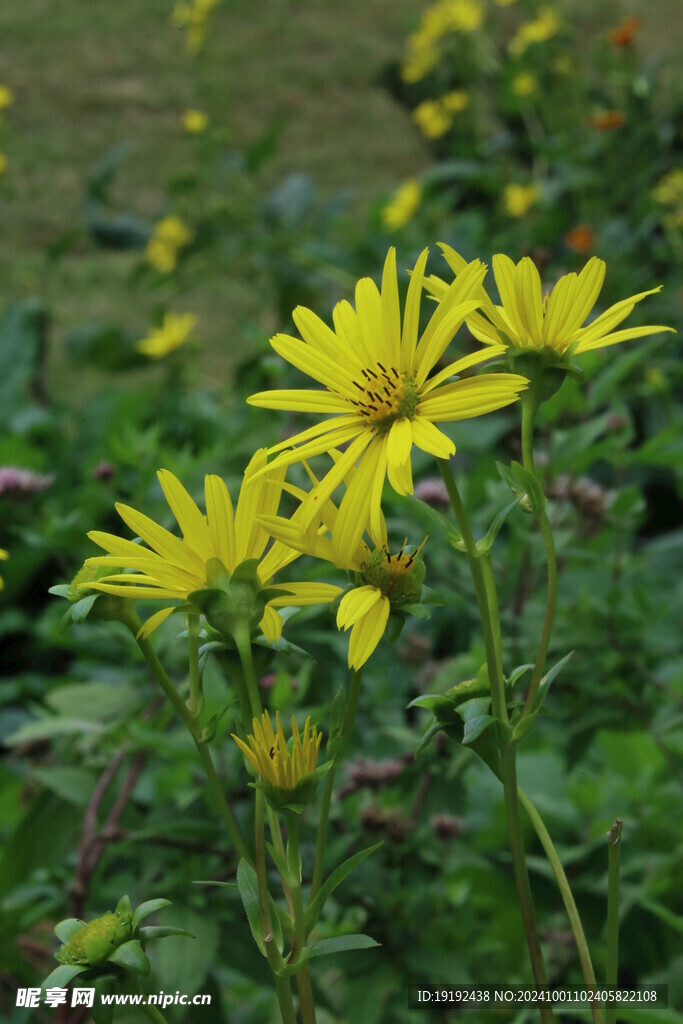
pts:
pixel 528 320
pixel 375 373
pixel 383 580
pixel 171 568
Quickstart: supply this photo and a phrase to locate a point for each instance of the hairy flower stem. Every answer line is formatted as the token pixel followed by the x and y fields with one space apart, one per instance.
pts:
pixel 529 407
pixel 349 718
pixel 567 896
pixel 612 953
pixel 303 977
pixel 488 615
pixel 192 727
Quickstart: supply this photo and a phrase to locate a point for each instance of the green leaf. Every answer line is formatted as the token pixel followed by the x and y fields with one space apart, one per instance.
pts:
pixel 66 928
pixel 548 678
pixel 521 482
pixel 208 881
pixel 48 728
pixel 517 673
pixel 62 975
pixel 326 947
pixel 70 783
pixel 95 702
pixel 280 862
pixel 131 956
pixel 247 883
pixel 149 933
pixel 335 879
pixel 474 727
pixel 486 543
pixel 147 908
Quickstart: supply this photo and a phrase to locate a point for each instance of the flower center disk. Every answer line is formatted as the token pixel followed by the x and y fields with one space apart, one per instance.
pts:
pixel 384 396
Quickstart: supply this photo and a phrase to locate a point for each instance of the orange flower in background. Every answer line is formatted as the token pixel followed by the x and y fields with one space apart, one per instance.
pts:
pixel 623 35
pixel 607 120
pixel 581 238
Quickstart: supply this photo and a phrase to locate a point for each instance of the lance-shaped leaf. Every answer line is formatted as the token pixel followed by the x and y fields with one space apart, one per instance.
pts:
pixel 335 879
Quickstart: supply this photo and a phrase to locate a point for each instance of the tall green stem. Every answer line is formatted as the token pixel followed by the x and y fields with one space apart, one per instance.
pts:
pixel 488 615
pixel 567 896
pixel 196 701
pixel 612 957
pixel 349 718
pixel 192 726
pixel 529 406
pixel 243 643
pixel 303 977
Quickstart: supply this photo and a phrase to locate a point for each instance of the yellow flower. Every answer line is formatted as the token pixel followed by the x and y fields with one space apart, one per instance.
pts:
pixel 171 569
pixel 4 555
pixel 383 581
pixel 376 381
pixel 456 101
pixel 462 15
pixel 6 97
pixel 403 205
pixel 542 28
pixel 528 320
pixel 422 52
pixel 420 58
pixel 174 332
pixel 524 84
pixel 435 117
pixel 171 235
pixel 267 751
pixel 3 163
pixel 195 121
pixel 669 192
pixel 193 17
pixel 518 199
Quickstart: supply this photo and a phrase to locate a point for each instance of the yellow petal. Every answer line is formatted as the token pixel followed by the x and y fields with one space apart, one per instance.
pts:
pixel 313 363
pixel 354 510
pixel 190 520
pixel 556 312
pixel 369 311
pixel 611 318
pixel 461 364
pixel 472 397
pixel 271 624
pixel 316 332
pixel 448 326
pixel 430 439
pixel 163 542
pixel 300 594
pixel 400 442
pixel 220 515
pixel 585 295
pixel 150 624
pixel 334 477
pixel 367 633
pixel 504 272
pixel 411 316
pixel 391 310
pixel 629 332
pixel 529 299
pixel 401 476
pixel 355 604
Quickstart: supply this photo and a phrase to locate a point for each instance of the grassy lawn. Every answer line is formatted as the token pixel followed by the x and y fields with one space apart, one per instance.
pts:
pixel 88 77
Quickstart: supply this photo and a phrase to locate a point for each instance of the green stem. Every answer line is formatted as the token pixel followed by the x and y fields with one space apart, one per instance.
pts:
pixel 192 727
pixel 567 896
pixel 196 701
pixel 349 718
pixel 529 406
pixel 488 614
pixel 153 1013
pixel 243 643
pixel 492 601
pixel 612 954
pixel 303 977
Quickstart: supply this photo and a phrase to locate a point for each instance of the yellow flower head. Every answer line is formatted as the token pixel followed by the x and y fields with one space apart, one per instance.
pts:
pixel 403 205
pixel 4 555
pixel 524 84
pixel 435 117
pixel 382 580
pixel 518 199
pixel 195 121
pixel 174 332
pixel 439 20
pixel 375 376
pixel 171 235
pixel 527 319
pixel 539 30
pixel 282 768
pixel 170 568
pixel 422 55
pixel 669 192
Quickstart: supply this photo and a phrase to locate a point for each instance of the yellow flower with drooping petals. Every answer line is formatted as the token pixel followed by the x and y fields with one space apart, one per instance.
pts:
pixel 4 555
pixel 170 236
pixel 195 121
pixel 174 331
pixel 266 749
pixel 529 320
pixel 669 192
pixel 375 375
pixel 524 84
pixel 518 199
pixel 382 580
pixel 403 205
pixel 170 568
pixel 546 25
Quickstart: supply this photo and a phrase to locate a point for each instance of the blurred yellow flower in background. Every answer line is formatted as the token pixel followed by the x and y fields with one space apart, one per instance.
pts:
pixel 4 555
pixel 669 192
pixel 435 117
pixel 170 235
pixel 539 30
pixel 6 97
pixel 174 331
pixel 518 199
pixel 403 205
pixel 193 17
pixel 3 163
pixel 442 18
pixel 524 84
pixel 195 121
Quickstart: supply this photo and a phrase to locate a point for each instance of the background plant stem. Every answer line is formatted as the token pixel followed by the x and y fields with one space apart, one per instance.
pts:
pixel 612 953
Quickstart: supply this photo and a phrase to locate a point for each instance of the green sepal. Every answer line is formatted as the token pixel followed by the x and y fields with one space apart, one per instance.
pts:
pixel 145 909
pixel 335 879
pixel 152 932
pixel 66 928
pixel 233 602
pixel 131 957
pixel 545 368
pixel 247 884
pixel 62 975
pixel 523 484
pixel 297 799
